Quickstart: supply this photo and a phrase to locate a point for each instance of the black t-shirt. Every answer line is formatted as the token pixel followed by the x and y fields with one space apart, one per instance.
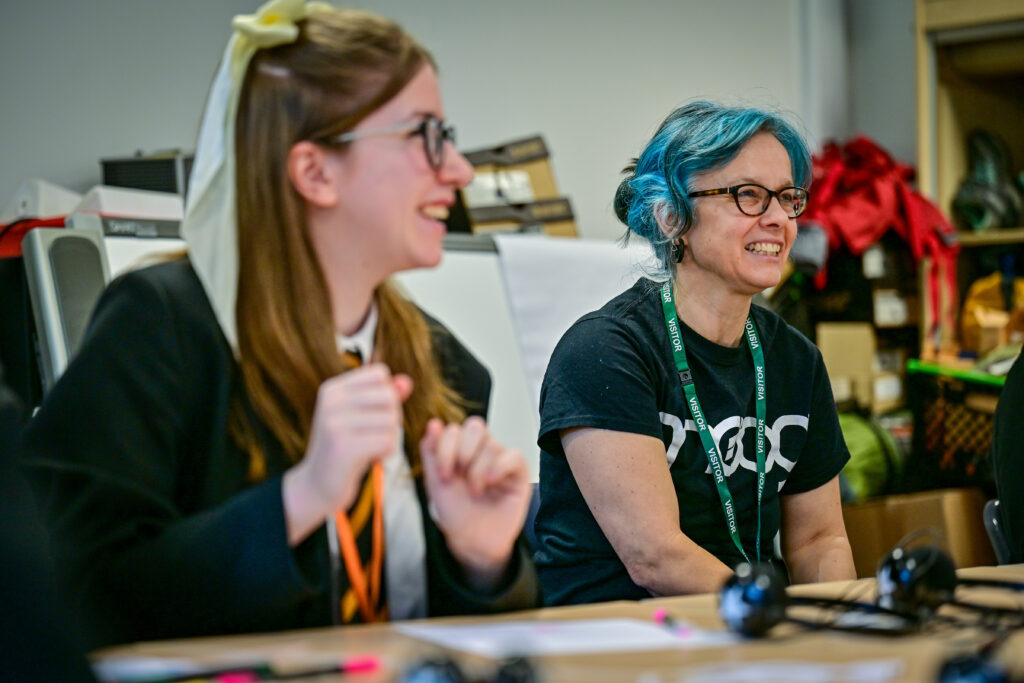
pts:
pixel 1008 459
pixel 614 370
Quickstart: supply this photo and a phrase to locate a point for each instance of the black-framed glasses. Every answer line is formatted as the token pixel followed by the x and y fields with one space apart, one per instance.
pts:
pixel 432 129
pixel 753 199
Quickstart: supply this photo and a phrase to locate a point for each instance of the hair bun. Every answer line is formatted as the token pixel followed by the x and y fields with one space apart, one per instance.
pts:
pixel 625 194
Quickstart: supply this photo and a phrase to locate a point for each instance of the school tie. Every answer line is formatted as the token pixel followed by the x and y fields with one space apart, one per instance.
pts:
pixel 361 535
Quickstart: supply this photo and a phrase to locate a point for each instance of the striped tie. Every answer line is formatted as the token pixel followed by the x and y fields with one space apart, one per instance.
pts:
pixel 363 597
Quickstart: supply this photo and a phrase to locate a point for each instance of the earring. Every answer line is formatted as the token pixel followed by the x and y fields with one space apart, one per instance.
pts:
pixel 676 251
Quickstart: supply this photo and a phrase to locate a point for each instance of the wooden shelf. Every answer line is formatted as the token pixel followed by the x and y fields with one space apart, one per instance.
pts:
pixel 990 59
pixel 970 68
pixel 940 15
pixel 994 237
pixel 964 373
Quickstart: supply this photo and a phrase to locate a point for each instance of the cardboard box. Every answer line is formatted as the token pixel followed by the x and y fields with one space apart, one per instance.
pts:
pixel 855 368
pixel 993 328
pixel 516 172
pixel 876 527
pixel 849 353
pixel 550 216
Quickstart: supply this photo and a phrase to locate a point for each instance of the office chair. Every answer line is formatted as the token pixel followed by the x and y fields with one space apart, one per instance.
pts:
pixel 66 271
pixel 993 525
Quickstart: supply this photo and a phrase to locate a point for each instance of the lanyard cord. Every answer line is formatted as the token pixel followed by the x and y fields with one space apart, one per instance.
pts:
pixel 366 595
pixel 714 458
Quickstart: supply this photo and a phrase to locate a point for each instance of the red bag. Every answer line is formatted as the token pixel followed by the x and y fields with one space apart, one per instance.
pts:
pixel 12 233
pixel 859 193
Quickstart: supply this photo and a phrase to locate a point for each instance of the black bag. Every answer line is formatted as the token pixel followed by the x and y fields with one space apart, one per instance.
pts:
pixel 989 197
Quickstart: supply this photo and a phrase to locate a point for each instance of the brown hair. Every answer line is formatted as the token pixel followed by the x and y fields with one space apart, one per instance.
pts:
pixel 343 65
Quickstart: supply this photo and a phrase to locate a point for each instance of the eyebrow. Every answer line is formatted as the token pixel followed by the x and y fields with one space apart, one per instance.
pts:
pixel 746 180
pixel 423 113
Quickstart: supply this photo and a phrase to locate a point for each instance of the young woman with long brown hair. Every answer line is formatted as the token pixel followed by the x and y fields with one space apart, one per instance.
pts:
pixel 265 434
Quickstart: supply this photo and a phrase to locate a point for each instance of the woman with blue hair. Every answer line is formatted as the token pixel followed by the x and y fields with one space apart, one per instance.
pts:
pixel 682 427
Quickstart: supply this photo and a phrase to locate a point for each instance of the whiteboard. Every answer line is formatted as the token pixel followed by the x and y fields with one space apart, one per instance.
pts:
pixel 466 292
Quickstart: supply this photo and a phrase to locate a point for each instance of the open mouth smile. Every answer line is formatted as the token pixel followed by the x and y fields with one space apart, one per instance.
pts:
pixel 764 248
pixel 436 212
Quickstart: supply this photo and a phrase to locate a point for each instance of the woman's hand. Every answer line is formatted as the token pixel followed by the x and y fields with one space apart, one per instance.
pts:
pixel 357 420
pixel 479 494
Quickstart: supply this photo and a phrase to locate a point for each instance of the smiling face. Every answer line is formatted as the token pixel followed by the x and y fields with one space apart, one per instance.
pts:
pixel 728 250
pixel 391 204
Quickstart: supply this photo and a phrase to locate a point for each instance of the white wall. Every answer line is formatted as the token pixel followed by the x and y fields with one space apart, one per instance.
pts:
pixel 824 71
pixel 597 76
pixel 103 78
pixel 883 74
pixel 84 80
pixel 483 322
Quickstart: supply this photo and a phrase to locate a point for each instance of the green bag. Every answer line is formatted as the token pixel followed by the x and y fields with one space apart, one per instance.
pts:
pixel 873 469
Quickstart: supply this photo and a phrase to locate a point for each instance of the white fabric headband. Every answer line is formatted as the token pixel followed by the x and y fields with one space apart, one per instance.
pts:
pixel 210 226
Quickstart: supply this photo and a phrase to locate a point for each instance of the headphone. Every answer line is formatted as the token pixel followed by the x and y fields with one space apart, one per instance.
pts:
pixel 444 669
pixel 918 581
pixel 913 583
pixel 754 599
pixel 972 668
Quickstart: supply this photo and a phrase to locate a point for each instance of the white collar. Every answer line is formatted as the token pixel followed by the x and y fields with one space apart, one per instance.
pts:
pixel 364 338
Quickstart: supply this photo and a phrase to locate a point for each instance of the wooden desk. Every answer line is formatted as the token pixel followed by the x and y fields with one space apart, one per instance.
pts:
pixel 920 654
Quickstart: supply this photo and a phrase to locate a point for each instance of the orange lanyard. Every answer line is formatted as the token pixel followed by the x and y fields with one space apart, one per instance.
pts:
pixel 367 595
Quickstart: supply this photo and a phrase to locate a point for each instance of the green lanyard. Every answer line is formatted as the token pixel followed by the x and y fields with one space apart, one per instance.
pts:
pixel 714 458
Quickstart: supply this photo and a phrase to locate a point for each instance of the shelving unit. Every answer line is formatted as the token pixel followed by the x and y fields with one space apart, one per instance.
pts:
pixel 970 75
pixel 992 238
pixel 970 64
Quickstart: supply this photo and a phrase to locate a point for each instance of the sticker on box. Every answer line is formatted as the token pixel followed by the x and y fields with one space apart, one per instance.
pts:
pixel 500 187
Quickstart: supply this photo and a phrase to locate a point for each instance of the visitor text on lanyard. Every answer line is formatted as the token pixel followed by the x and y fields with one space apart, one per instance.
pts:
pixel 704 431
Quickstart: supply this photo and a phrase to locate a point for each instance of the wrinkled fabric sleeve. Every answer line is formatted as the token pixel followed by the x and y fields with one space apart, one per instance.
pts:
pixel 597 378
pixel 825 452
pixel 451 594
pixel 449 591
pixel 105 454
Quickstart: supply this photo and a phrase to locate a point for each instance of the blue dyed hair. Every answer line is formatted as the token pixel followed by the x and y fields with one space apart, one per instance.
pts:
pixel 696 138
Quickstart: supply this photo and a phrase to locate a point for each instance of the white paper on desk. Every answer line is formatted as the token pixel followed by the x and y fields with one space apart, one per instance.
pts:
pixel 531 638
pixel 550 282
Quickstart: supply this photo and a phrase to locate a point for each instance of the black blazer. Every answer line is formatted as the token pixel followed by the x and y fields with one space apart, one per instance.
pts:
pixel 35 638
pixel 158 533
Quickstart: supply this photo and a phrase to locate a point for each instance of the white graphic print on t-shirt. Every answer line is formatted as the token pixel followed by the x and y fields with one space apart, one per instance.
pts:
pixel 733 455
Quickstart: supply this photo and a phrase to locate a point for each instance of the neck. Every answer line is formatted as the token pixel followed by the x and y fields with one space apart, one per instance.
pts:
pixel 351 275
pixel 714 313
pixel 349 310
pixel 350 289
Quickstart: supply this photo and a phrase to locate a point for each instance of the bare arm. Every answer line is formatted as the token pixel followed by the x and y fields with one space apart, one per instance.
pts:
pixel 814 540
pixel 625 480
